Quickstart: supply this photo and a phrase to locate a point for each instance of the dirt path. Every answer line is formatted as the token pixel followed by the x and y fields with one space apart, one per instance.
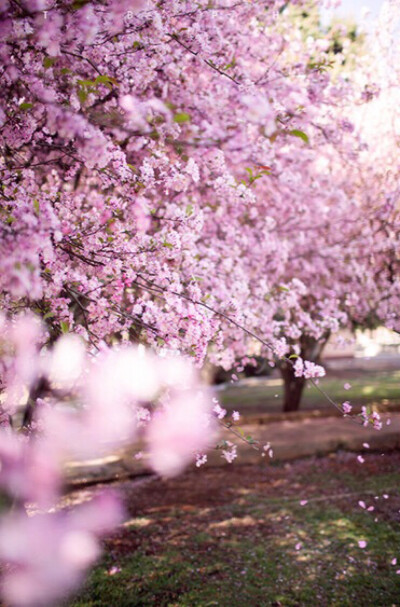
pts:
pixel 289 439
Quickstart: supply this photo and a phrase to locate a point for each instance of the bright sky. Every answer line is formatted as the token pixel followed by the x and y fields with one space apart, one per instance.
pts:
pixel 353 8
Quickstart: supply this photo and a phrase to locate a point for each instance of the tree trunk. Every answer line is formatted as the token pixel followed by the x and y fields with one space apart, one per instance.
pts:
pixel 39 389
pixel 310 349
pixel 293 388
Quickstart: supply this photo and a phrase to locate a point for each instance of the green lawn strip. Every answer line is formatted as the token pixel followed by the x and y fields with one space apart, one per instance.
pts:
pixel 265 550
pixel 375 387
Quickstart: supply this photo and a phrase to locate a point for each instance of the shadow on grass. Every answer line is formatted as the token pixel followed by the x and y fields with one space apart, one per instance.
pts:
pixel 240 537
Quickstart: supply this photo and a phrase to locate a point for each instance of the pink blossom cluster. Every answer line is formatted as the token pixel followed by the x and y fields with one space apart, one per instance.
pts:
pixel 371 418
pixel 47 555
pixel 88 409
pixel 307 369
pixel 346 407
pixel 229 453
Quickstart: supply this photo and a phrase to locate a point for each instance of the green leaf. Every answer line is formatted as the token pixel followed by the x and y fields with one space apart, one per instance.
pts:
pixel 25 106
pixel 300 134
pixel 78 4
pixel 36 206
pixel 231 64
pixel 48 315
pixel 104 78
pixel 189 210
pixel 64 326
pixel 107 80
pixel 181 117
pixel 169 245
pixel 85 82
pixel 82 96
pixel 49 61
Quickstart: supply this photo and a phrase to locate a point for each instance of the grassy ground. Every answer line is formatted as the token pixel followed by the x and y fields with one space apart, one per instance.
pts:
pixel 266 394
pixel 238 537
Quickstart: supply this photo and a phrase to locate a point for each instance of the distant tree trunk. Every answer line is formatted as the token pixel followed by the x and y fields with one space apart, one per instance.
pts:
pixel 292 388
pixel 310 349
pixel 40 388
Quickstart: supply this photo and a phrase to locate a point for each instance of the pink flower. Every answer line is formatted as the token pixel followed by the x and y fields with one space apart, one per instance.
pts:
pixel 312 370
pixel 298 367
pixel 347 386
pixel 346 407
pixel 49 553
pixel 362 544
pixel 179 431
pixel 267 449
pixel 27 469
pixel 307 369
pixel 220 412
pixel 201 459
pixel 231 453
pixel 66 362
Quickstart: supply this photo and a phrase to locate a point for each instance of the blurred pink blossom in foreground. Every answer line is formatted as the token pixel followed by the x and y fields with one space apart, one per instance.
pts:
pixel 177 432
pixel 48 554
pixel 93 404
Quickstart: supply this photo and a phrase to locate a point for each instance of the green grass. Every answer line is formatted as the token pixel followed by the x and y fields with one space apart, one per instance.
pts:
pixel 242 552
pixel 266 394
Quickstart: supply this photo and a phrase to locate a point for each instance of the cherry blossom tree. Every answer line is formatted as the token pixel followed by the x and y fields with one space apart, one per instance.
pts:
pixel 188 176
